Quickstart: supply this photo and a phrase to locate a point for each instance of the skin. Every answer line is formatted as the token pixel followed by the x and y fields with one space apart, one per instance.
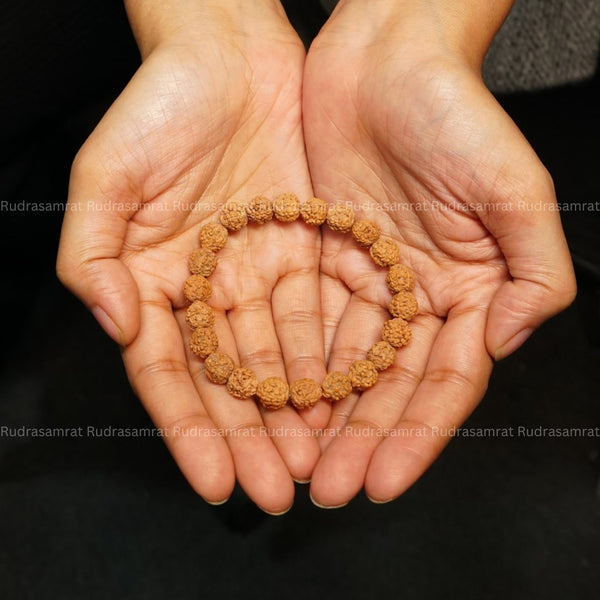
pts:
pixel 398 121
pixel 210 116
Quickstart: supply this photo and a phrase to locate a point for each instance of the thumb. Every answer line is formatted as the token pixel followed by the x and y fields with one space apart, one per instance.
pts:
pixel 543 282
pixel 91 242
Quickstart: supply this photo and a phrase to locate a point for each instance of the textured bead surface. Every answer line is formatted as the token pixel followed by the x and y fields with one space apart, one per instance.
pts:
pixel 314 211
pixel 365 233
pixel 286 207
pixel 242 383
pixel 218 367
pixel 363 374
pixel 199 314
pixel 382 355
pixel 305 393
pixel 385 252
pixel 404 305
pixel 213 236
pixel 197 287
pixel 260 210
pixel 396 332
pixel 340 218
pixel 233 216
pixel 336 386
pixel 400 279
pixel 273 393
pixel 202 262
pixel 203 341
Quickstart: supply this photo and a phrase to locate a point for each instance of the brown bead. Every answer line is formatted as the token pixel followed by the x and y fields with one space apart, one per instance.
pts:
pixel 385 252
pixel 340 218
pixel 396 332
pixel 203 341
pixel 314 211
pixel 260 210
pixel 336 386
pixel 242 383
pixel 404 305
pixel 197 287
pixel 286 207
pixel 365 233
pixel 305 393
pixel 363 374
pixel 202 262
pixel 218 367
pixel 233 216
pixel 273 393
pixel 382 355
pixel 199 314
pixel 400 279
pixel 213 236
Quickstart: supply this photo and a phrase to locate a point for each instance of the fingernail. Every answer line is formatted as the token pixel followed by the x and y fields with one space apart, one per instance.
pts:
pixel 380 501
pixel 513 343
pixel 275 514
pixel 302 481
pixel 108 325
pixel 324 505
pixel 217 502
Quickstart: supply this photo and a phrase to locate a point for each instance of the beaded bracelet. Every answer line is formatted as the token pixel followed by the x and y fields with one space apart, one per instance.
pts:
pixel 274 392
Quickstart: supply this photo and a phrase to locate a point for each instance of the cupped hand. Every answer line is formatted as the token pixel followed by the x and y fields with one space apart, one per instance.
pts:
pixel 208 118
pixel 405 130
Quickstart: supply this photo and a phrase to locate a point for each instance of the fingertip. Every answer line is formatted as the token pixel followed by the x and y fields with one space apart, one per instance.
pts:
pixel 386 480
pixel 217 502
pixel 107 287
pixel 109 326
pixel 519 308
pixel 326 506
pixel 207 467
pixel 276 514
pixel 374 500
pixel 340 473
pixel 300 453
pixel 513 344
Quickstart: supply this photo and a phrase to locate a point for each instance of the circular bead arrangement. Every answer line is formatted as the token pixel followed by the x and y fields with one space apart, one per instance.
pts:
pixel 274 393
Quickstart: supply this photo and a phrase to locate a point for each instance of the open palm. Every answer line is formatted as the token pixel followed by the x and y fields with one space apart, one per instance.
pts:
pixel 417 144
pixel 198 125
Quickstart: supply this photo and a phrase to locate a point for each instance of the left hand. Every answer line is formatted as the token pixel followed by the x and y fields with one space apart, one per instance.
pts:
pixel 400 124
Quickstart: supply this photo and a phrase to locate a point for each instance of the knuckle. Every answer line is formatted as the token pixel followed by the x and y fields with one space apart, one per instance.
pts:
pixel 349 353
pixel 363 425
pixel 158 372
pixel 264 357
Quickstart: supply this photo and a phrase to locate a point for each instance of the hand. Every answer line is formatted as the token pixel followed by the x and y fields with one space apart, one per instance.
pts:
pixel 213 114
pixel 398 122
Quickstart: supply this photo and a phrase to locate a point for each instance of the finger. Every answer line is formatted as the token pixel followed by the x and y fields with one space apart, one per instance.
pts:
pixel 358 330
pixel 340 473
pixel 160 376
pixel 297 313
pixel 334 299
pixel 88 263
pixel 260 469
pixel 454 382
pixel 525 222
pixel 538 260
pixel 258 349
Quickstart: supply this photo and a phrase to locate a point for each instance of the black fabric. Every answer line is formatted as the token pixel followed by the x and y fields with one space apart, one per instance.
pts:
pixel 112 517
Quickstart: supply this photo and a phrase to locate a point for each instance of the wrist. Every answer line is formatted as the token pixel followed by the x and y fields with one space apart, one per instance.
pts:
pixel 159 22
pixel 463 28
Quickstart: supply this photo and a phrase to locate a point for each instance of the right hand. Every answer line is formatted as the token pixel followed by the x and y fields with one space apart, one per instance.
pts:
pixel 213 114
